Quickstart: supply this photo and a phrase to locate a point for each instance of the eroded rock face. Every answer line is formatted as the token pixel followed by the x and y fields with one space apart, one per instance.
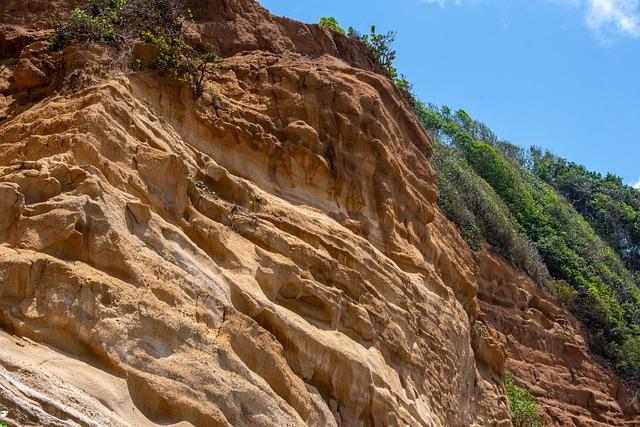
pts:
pixel 269 255
pixel 223 298
pixel 547 352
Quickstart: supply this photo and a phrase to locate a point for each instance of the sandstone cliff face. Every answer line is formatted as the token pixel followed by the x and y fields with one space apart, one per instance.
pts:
pixel 271 254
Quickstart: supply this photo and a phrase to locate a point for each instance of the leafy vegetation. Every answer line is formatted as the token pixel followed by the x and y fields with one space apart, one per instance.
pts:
pixel 331 23
pixel 588 276
pixel 379 46
pixel 479 213
pixel 181 61
pixel 123 22
pixel 609 206
pixel 524 410
pixel 83 27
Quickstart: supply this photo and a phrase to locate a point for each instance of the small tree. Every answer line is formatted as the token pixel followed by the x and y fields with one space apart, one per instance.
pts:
pixel 380 45
pixel 202 66
pixel 182 61
pixel 353 33
pixel 330 23
pixel 403 83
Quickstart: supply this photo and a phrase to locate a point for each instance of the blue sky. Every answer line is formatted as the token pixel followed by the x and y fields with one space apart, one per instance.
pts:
pixel 560 74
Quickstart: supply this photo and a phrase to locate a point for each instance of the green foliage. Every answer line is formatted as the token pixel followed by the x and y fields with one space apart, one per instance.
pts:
pixel 121 22
pixel 524 409
pixel 403 83
pixel 330 23
pixel 473 205
pixel 609 206
pixel 564 292
pixel 629 363
pixel 182 61
pixel 588 275
pixel 83 27
pixel 137 64
pixel 380 45
pixel 353 33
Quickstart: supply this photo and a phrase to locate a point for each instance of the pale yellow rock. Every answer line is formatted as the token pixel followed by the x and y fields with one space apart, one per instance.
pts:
pixel 239 299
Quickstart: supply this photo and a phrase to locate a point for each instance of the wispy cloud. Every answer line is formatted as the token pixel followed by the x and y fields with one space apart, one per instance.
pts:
pixel 617 16
pixel 606 17
pixel 636 184
pixel 438 2
pixel 603 17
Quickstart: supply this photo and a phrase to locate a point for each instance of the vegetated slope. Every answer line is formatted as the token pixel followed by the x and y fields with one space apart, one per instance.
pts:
pixel 270 254
pixel 611 207
pixel 489 189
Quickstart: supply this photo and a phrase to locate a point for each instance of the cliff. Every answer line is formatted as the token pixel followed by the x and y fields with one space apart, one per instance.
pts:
pixel 270 254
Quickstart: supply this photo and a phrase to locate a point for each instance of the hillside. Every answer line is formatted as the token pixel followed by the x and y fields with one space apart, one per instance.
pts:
pixel 269 245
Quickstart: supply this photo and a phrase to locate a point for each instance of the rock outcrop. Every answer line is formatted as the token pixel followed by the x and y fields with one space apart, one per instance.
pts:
pixel 271 254
pixel 547 352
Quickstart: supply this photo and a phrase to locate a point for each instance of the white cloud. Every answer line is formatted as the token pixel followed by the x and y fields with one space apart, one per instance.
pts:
pixel 442 3
pixel 617 16
pixel 603 17
pixel 438 2
pixel 636 184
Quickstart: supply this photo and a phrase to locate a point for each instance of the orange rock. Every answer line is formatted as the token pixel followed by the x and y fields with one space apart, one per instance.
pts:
pixel 546 352
pixel 27 76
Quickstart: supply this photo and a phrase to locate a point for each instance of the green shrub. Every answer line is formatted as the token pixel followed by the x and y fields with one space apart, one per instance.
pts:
pixel 610 207
pixel 83 27
pixel 123 22
pixel 353 33
pixel 380 46
pixel 403 83
pixel 330 23
pixel 182 61
pixel 563 292
pixel 473 205
pixel 524 409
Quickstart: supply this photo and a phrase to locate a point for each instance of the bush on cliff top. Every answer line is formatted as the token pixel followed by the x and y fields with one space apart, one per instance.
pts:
pixel 122 22
pixel 384 55
pixel 379 46
pixel 331 23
